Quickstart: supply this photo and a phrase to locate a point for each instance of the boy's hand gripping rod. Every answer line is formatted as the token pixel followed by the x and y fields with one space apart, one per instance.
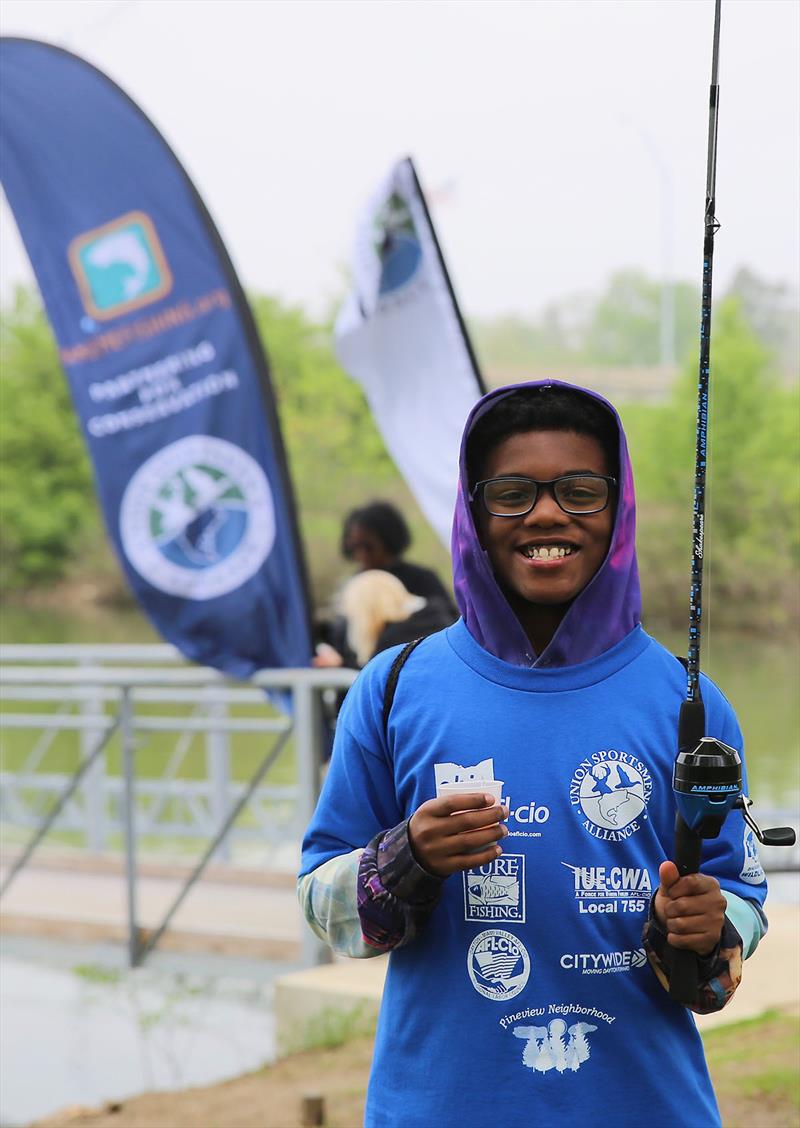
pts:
pixel 707 778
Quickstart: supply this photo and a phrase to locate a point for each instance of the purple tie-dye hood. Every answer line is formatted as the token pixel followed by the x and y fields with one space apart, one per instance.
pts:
pixel 607 609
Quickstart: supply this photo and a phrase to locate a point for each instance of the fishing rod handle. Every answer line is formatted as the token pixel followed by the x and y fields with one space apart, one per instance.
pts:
pixel 688 847
pixel 683 973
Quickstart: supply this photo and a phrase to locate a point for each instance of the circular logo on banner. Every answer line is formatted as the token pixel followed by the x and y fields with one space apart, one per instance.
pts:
pixel 498 964
pixel 197 519
pixel 611 789
pixel 400 258
pixel 397 245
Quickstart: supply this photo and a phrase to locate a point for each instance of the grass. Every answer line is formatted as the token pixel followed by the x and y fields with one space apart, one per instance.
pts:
pixel 755 1067
pixel 153 749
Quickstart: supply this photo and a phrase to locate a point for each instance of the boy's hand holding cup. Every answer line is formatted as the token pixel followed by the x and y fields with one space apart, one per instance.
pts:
pixel 460 828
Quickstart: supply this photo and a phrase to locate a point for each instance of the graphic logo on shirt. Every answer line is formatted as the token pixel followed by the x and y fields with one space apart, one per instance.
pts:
pixel 752 870
pixel 556 1046
pixel 560 1036
pixel 525 817
pixel 496 891
pixel 522 818
pixel 457 773
pixel 603 963
pixel 611 889
pixel 610 791
pixel 498 964
pixel 120 266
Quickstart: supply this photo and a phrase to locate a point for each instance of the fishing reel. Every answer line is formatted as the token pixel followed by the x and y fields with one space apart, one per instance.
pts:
pixel 707 782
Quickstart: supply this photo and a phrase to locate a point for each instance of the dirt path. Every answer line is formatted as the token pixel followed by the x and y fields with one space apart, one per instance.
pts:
pixel 269 1098
pixel 755 1066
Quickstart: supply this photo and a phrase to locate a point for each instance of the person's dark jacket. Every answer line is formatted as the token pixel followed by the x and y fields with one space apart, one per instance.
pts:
pixel 434 616
pixel 424 582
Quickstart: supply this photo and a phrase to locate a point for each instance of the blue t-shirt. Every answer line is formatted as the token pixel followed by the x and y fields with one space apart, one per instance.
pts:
pixel 528 999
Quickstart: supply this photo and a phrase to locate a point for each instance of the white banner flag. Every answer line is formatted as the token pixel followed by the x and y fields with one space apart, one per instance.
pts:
pixel 400 335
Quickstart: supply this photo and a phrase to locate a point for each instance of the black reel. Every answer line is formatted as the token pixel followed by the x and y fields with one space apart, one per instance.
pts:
pixel 707 783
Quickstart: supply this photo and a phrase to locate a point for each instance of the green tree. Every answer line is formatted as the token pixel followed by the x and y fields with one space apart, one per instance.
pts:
pixel 625 325
pixel 753 487
pixel 46 502
pixel 770 309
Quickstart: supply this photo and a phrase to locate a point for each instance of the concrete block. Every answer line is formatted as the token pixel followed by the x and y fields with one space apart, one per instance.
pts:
pixel 324 1006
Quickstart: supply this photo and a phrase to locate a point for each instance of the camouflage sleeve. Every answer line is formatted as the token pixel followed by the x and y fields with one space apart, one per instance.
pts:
pixel 718 974
pixel 395 895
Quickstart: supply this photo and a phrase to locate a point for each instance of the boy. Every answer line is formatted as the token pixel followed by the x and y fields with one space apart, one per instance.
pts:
pixel 525 933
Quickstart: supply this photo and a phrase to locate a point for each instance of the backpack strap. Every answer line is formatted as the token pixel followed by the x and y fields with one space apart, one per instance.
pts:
pixel 391 681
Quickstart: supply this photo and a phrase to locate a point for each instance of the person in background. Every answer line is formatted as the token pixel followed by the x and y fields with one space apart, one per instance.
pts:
pixel 380 612
pixel 376 536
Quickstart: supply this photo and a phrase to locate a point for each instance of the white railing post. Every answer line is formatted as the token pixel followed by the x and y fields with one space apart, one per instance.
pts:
pixel 129 821
pixel 308 734
pixel 218 771
pixel 94 785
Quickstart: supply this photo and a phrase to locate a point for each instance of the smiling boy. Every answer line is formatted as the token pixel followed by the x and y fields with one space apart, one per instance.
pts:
pixel 525 933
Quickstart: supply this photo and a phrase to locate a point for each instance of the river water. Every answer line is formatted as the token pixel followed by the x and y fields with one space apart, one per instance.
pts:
pixel 84 1033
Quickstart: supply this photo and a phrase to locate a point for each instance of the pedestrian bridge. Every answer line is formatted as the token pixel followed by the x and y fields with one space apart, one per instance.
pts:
pixel 129 774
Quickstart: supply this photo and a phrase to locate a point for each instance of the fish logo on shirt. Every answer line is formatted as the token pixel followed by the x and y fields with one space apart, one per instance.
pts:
pixel 495 891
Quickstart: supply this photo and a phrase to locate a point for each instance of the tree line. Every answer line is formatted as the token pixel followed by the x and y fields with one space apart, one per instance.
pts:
pixel 51 529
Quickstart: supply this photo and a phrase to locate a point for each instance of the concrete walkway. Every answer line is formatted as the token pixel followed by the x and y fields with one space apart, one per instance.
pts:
pixel 233 912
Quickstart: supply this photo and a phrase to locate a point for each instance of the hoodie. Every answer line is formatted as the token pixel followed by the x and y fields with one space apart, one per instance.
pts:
pixel 606 610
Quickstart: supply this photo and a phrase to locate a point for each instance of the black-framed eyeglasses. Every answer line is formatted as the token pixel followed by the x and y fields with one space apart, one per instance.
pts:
pixel 576 494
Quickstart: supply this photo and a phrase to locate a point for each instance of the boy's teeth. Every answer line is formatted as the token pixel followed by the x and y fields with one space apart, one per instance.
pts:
pixel 547 552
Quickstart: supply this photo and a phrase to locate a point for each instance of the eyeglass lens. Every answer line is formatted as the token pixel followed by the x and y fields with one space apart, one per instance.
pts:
pixel 510 497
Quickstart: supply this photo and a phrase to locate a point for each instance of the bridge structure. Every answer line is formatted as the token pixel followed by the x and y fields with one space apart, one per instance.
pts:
pixel 161 804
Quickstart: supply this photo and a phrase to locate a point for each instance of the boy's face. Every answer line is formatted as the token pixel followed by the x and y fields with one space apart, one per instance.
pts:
pixel 544 455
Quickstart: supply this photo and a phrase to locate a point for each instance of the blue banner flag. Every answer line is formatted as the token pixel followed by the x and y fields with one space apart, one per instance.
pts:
pixel 165 366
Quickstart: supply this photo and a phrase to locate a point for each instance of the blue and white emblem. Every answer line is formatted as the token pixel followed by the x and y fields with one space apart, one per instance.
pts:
pixel 752 870
pixel 119 267
pixel 610 791
pixel 498 964
pixel 397 245
pixel 197 519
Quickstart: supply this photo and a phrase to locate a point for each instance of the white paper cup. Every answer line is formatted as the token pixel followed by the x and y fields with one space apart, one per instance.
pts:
pixel 493 787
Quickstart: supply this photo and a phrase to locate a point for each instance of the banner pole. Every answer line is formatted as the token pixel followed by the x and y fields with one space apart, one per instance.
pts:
pixel 443 266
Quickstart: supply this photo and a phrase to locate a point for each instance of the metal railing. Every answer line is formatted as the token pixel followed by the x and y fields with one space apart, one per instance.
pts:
pixel 118 708
pixel 112 711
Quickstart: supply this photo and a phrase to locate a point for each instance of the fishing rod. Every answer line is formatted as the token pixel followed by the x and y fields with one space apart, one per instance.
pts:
pixel 707 777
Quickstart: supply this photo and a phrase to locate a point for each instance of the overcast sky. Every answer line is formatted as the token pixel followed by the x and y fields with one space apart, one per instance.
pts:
pixel 559 139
